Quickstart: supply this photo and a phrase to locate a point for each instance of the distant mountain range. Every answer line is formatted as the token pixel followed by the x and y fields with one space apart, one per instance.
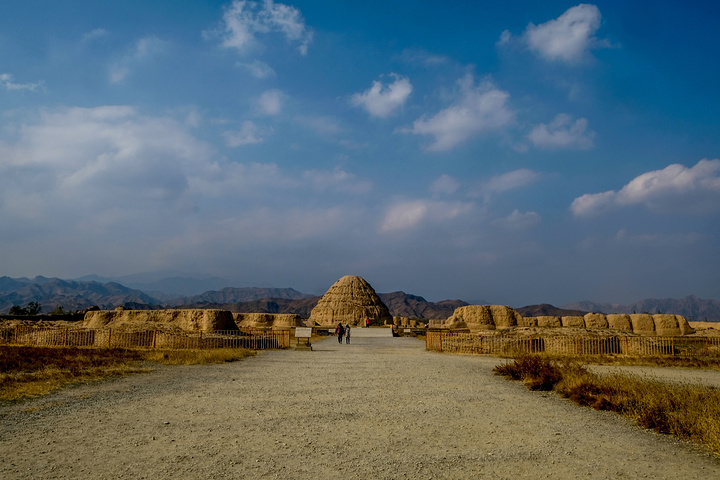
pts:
pixel 84 293
pixel 691 307
pixel 70 294
pixel 546 310
pixel 239 295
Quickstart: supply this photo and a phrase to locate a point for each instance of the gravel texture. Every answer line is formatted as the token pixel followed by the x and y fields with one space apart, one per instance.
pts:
pixel 380 408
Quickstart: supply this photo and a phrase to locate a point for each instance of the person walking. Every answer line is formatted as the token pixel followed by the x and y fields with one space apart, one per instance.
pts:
pixel 347 333
pixel 367 323
pixel 339 331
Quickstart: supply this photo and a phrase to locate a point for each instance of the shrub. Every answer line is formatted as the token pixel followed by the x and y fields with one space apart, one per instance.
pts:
pixel 690 412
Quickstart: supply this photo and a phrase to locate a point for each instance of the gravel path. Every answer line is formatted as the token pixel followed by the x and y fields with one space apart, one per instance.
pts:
pixel 378 408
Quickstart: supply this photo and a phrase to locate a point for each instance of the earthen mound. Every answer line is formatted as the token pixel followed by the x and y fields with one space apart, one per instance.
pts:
pixel 164 320
pixel 484 317
pixel 549 321
pixel 350 300
pixel 595 320
pixel 643 323
pixel 620 321
pixel 268 320
pixel 491 317
pixel 574 321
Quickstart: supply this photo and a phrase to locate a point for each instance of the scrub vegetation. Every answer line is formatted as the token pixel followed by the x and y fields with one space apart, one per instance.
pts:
pixel 34 371
pixel 687 411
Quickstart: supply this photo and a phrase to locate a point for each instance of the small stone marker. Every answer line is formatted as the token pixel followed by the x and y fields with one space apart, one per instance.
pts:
pixel 303 332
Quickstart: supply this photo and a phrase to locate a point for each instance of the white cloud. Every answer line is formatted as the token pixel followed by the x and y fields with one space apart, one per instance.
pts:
pixel 321 124
pixel 248 134
pixel 6 80
pixel 423 58
pixel 382 100
pixel 593 203
pixel 112 166
pixel 518 220
pixel 509 181
pixel 406 215
pixel 144 50
pixel 562 132
pixel 270 102
pixel 118 73
pixel 91 158
pixel 244 20
pixel 258 69
pixel 444 185
pixel 479 109
pixel 93 35
pixel 505 38
pixel 674 189
pixel 568 38
pixel 337 180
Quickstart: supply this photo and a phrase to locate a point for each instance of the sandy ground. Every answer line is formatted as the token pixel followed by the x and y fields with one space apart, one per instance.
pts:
pixel 378 408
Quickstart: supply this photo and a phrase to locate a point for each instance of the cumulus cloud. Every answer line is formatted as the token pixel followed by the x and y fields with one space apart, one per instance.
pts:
pixel 248 134
pixel 568 38
pixel 562 133
pixel 142 52
pixel 410 214
pixel 94 35
pixel 270 102
pixel 674 189
pixel 444 185
pixel 478 109
pixel 509 181
pixel 423 58
pixel 337 180
pixel 6 81
pixel 518 220
pixel 381 100
pixel 243 21
pixel 90 158
pixel 258 69
pixel 113 168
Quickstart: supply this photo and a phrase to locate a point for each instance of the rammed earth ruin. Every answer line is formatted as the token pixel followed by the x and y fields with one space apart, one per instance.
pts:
pixel 353 300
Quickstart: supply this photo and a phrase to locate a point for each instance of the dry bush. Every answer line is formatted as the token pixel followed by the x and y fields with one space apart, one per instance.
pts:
pixel 706 362
pixel 33 371
pixel 535 371
pixel 687 411
pixel 690 412
pixel 196 356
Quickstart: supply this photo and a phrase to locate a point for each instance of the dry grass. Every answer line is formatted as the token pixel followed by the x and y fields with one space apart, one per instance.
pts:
pixel 690 412
pixel 196 357
pixel 36 371
pixel 709 362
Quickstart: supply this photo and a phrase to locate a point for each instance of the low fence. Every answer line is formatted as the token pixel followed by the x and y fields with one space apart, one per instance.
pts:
pixel 478 344
pixel 109 338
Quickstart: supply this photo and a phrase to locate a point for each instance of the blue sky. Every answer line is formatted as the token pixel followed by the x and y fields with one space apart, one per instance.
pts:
pixel 513 153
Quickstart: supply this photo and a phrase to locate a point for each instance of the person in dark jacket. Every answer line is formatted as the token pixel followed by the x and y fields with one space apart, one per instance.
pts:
pixel 339 331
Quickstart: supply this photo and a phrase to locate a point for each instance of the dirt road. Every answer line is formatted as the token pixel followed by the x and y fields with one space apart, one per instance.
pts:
pixel 378 408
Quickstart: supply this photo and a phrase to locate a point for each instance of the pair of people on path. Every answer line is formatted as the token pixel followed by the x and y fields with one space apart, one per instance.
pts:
pixel 343 331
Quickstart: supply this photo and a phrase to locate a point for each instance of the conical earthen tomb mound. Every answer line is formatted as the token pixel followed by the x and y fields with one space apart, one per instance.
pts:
pixel 350 300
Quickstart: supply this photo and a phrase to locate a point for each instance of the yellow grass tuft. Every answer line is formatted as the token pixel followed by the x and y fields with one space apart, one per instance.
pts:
pixel 687 411
pixel 35 371
pixel 196 356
